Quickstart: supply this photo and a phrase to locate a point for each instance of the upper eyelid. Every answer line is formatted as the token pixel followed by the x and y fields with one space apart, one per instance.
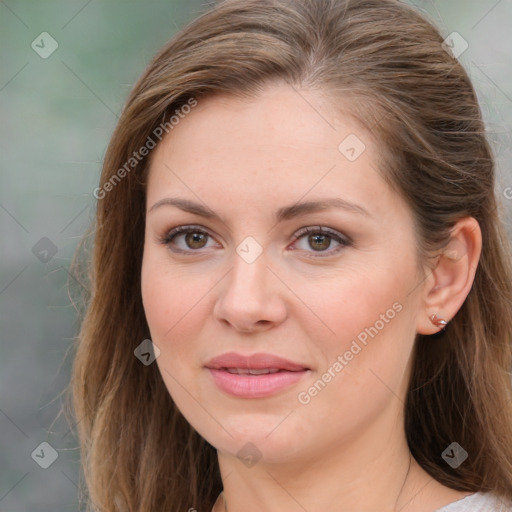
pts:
pixel 321 229
pixel 300 232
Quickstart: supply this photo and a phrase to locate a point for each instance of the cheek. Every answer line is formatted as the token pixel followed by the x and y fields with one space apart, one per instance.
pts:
pixel 370 316
pixel 166 300
pixel 354 300
pixel 365 362
pixel 177 305
pixel 169 309
pixel 157 299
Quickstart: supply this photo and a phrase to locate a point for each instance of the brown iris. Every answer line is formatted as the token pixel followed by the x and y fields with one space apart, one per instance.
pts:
pixel 324 241
pixel 195 238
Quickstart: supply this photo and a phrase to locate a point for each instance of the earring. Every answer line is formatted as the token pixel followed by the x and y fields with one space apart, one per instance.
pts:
pixel 438 322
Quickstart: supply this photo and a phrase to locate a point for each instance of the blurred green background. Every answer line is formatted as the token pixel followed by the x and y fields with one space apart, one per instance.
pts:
pixel 58 111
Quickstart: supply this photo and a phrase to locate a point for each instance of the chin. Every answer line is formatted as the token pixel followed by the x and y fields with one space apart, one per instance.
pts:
pixel 255 437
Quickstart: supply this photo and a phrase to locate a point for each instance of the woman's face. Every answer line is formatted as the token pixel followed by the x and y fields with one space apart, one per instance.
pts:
pixel 341 306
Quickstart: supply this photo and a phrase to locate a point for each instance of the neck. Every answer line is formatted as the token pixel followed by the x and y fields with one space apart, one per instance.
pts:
pixel 362 476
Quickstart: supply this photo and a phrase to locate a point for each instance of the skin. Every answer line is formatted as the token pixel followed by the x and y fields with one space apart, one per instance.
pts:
pixel 244 159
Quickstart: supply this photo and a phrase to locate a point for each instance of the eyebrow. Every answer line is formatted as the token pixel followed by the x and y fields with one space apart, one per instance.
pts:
pixel 282 214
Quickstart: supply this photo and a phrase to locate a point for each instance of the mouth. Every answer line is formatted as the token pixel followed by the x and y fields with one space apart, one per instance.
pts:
pixel 245 383
pixel 256 375
pixel 252 371
pixel 269 363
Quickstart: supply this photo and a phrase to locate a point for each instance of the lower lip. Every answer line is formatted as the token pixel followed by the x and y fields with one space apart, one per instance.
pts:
pixel 255 386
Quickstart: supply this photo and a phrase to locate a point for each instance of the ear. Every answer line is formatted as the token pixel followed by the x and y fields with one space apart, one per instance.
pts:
pixel 450 282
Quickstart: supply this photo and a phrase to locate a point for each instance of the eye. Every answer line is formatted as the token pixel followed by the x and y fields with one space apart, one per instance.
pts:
pixel 320 239
pixel 193 238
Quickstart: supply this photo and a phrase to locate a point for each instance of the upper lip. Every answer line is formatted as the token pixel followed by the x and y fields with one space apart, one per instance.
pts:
pixel 258 361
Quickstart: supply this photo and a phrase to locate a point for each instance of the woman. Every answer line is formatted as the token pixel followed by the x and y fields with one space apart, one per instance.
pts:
pixel 301 286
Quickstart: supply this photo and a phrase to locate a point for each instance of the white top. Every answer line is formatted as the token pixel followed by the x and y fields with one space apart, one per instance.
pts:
pixel 477 502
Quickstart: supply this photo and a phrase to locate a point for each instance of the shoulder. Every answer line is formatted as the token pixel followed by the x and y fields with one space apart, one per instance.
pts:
pixel 478 502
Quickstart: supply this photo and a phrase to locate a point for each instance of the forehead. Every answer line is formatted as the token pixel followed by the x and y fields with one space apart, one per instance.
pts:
pixel 281 146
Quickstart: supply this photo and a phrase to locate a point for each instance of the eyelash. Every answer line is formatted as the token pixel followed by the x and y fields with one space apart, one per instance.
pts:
pixel 344 241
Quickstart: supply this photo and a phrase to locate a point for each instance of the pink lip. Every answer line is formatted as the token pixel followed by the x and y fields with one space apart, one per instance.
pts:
pixel 254 386
pixel 254 361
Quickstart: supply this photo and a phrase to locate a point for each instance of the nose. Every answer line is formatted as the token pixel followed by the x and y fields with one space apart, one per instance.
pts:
pixel 250 299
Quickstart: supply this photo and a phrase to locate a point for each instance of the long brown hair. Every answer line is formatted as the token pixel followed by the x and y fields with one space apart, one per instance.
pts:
pixel 138 451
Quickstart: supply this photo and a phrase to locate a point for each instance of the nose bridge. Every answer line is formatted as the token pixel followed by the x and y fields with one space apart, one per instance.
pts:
pixel 248 279
pixel 249 297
